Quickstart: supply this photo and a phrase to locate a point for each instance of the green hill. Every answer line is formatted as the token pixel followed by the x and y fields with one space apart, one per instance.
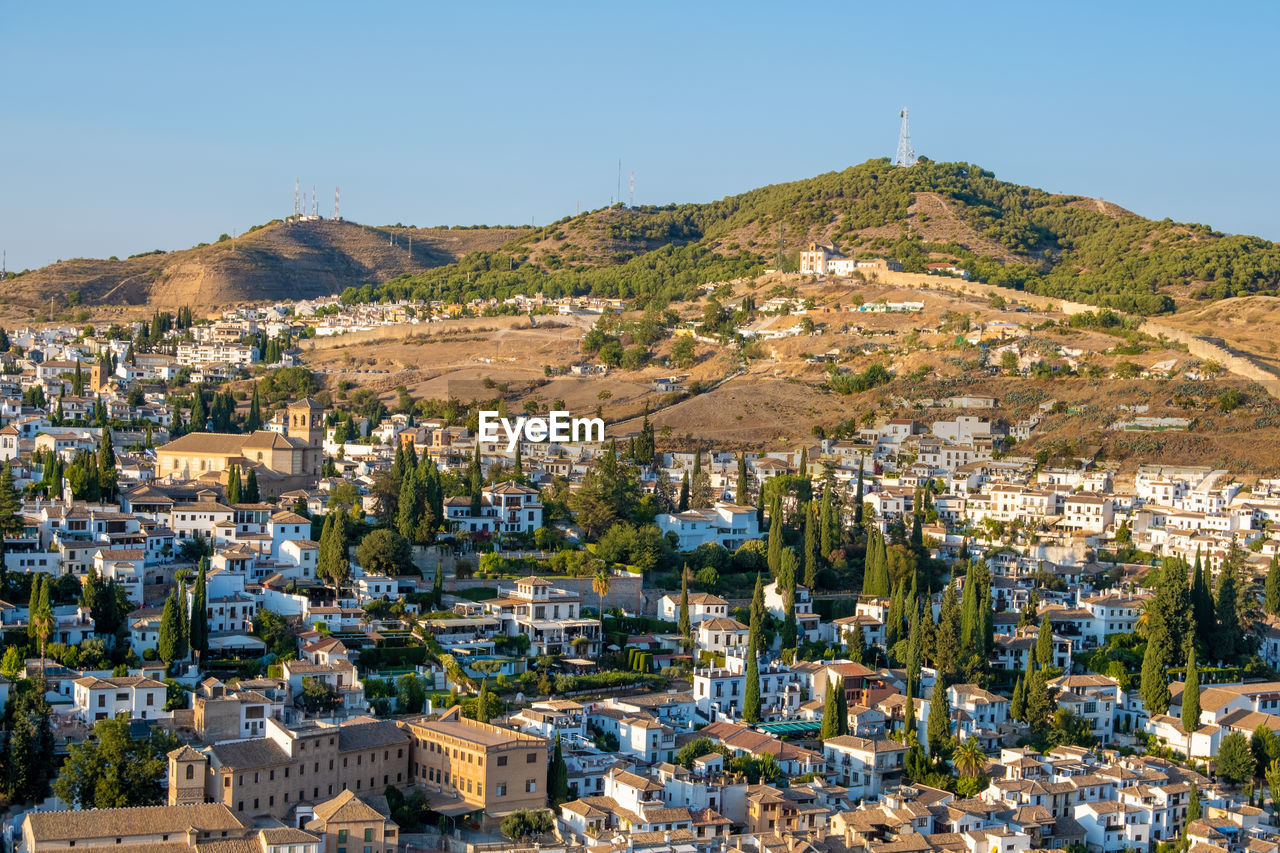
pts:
pixel 1003 233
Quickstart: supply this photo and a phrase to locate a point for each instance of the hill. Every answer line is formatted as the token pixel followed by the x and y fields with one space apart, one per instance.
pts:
pixel 277 261
pixel 1057 245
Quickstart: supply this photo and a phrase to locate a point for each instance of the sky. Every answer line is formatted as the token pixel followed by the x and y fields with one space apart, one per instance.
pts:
pixel 131 127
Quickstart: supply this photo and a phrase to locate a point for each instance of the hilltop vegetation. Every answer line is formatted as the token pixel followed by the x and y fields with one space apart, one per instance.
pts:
pixel 1016 236
pixel 1002 233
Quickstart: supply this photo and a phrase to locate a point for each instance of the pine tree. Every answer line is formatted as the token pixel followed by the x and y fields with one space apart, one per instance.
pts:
pixel 1191 697
pixel 1272 601
pixel 1044 643
pixel 830 712
pixel 810 548
pixel 751 697
pixel 254 421
pixel 685 626
pixel 939 725
pixel 683 506
pixel 251 493
pixel 199 621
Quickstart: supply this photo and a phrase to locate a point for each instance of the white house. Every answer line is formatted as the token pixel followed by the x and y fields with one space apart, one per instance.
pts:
pixel 727 525
pixel 99 698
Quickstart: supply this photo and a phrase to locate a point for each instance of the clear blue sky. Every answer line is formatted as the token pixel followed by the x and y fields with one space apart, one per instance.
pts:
pixel 128 127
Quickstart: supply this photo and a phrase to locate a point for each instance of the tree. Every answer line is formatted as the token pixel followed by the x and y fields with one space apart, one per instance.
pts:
pixel 40 624
pixel 523 825
pixel 755 637
pixel 1039 705
pixel 831 710
pixel 685 625
pixel 1272 601
pixel 482 702
pixel 1191 699
pixel 1044 643
pixel 113 770
pixel 751 697
pixel 1154 686
pixel 30 745
pixel 855 644
pixel 385 552
pixel 786 585
pixel 318 697
pixel 332 562
pixel 254 421
pixel 1067 729
pixel 947 635
pixel 251 493
pixel 600 585
pixel 437 585
pixel 775 537
pixel 558 777
pixel 1229 638
pixel 810 548
pixel 1235 759
pixel 233 486
pixel 939 724
pixel 170 641
pixel 742 489
pixel 683 504
pixel 968 758
pixel 1193 804
pixel 1018 704
pixel 199 622
pixel 1266 749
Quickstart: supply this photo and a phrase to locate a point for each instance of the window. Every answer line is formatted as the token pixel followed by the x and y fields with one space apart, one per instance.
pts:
pixel 531 757
pixel 342 836
pixel 191 771
pixel 502 761
pixel 501 790
pixel 530 786
pixel 368 835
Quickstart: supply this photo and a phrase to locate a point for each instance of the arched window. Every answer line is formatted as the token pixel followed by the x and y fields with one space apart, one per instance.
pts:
pixel 191 771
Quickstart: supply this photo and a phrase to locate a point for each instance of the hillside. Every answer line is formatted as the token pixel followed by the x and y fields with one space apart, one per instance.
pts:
pixel 274 262
pixel 1057 245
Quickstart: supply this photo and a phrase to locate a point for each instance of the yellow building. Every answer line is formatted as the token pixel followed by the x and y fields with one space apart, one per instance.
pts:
pixel 296 456
pixel 482 766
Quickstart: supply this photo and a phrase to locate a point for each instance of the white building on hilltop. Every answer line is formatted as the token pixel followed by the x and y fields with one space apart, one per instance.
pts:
pixel 727 525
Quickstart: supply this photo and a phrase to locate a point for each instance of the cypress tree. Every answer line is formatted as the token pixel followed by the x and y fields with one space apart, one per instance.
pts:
pixel 1229 639
pixel 437 585
pixel 1191 697
pixel 826 533
pixel 170 629
pixel 857 498
pixel 830 712
pixel 1272 601
pixel 751 697
pixel 1154 685
pixel 970 620
pixel 558 777
pixel 233 485
pixel 1038 705
pixel 251 493
pixel 685 625
pixel 199 416
pixel 917 533
pixel 857 644
pixel 938 728
pixel 787 588
pixel 1018 704
pixel 775 537
pixel 410 510
pixel 842 709
pixel 477 482
pixel 1202 608
pixel 10 503
pixel 1044 643
pixel 810 548
pixel 482 701
pixel 756 638
pixel 184 624
pixel 254 421
pixel 1193 804
pixel 742 492
pixel 683 506
pixel 108 476
pixel 199 621
pixel 947 635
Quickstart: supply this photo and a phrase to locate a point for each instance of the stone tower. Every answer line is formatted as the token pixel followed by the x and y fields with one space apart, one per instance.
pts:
pixel 306 421
pixel 187 771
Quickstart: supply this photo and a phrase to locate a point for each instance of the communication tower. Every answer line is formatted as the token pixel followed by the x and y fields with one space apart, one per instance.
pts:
pixel 631 200
pixel 315 202
pixel 335 203
pixel 906 155
pixel 295 198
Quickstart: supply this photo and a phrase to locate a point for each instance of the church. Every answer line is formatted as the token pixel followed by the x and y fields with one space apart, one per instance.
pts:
pixel 283 462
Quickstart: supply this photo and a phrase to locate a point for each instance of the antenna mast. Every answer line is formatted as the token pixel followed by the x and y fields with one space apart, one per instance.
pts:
pixel 335 203
pixel 906 155
pixel 631 200
pixel 618 197
pixel 315 202
pixel 295 198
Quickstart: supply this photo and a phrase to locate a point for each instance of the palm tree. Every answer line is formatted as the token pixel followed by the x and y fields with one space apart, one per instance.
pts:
pixel 600 586
pixel 968 758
